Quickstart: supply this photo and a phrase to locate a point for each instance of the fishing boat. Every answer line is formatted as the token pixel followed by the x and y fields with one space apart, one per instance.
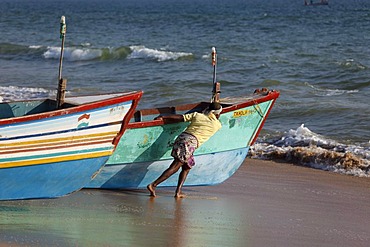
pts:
pixel 312 3
pixel 144 151
pixel 50 148
pixel 47 152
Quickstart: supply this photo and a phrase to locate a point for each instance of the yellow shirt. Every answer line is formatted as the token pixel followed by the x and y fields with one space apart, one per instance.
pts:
pixel 202 126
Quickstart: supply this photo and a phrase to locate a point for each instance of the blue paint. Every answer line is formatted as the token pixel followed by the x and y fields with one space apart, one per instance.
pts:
pixel 49 180
pixel 210 169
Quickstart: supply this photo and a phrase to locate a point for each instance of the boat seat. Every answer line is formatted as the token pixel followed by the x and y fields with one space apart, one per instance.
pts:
pixel 138 116
pixel 150 114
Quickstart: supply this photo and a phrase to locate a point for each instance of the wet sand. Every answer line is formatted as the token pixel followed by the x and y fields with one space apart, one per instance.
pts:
pixel 263 204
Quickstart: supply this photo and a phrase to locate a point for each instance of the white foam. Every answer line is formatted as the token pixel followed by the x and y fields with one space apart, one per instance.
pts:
pixel 73 54
pixel 351 64
pixel 35 46
pixel 159 55
pixel 330 92
pixel 13 93
pixel 304 147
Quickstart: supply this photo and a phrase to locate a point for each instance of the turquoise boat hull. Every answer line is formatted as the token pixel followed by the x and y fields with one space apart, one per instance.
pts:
pixel 140 174
pixel 144 151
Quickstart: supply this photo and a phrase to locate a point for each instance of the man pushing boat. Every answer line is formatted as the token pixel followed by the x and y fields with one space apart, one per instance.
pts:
pixel 202 127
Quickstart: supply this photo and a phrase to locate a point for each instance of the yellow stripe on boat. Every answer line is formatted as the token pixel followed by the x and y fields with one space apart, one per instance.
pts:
pixel 60 139
pixel 55 159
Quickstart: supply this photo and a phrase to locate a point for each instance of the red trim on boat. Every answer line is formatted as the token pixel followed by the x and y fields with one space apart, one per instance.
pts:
pixel 126 119
pixel 256 99
pixel 135 96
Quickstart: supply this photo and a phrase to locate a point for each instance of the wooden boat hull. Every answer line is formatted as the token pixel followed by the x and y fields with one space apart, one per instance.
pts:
pixel 47 153
pixel 48 180
pixel 145 149
pixel 139 174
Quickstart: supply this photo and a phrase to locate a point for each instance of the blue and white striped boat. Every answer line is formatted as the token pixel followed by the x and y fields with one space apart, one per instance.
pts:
pixel 47 153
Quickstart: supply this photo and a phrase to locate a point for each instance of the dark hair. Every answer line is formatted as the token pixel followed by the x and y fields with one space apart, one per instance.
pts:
pixel 214 106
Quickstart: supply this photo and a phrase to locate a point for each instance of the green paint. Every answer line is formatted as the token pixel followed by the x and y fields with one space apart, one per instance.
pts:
pixel 155 143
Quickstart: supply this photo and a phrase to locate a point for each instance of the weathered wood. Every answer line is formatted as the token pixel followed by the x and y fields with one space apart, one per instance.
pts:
pixel 61 92
pixel 216 92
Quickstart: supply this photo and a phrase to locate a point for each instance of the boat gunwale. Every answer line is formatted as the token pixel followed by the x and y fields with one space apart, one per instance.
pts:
pixel 227 107
pixel 126 96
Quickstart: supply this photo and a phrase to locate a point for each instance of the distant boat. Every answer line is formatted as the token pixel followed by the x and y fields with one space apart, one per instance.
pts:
pixel 312 3
pixel 144 151
pixel 47 152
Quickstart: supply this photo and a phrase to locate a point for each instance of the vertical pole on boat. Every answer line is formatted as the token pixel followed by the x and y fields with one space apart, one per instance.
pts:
pixel 61 82
pixel 214 63
pixel 216 85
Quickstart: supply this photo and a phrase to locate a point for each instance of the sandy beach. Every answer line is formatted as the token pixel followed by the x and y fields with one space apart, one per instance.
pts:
pixel 264 204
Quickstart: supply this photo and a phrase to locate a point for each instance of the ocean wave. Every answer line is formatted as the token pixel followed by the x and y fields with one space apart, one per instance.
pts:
pixel 73 54
pixel 352 65
pixel 13 93
pixel 132 52
pixel 306 148
pixel 9 50
pixel 85 52
pixel 318 91
pixel 159 55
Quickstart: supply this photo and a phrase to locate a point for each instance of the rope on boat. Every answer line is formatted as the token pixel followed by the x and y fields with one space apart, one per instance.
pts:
pixel 257 108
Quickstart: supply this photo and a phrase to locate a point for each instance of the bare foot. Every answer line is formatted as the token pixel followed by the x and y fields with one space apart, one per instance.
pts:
pixel 151 189
pixel 180 195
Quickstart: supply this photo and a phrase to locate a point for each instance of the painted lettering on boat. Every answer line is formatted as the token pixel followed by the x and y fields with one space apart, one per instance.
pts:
pixel 243 113
pixel 146 141
pixel 117 109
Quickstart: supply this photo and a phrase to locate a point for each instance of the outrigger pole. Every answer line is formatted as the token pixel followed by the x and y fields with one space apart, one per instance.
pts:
pixel 216 85
pixel 61 82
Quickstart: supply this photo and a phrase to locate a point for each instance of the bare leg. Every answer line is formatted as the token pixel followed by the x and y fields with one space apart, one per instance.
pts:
pixel 182 177
pixel 174 167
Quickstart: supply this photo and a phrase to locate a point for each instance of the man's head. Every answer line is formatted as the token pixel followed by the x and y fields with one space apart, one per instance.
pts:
pixel 214 108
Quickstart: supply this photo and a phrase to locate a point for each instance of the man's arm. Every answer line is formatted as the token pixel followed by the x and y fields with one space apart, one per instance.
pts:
pixel 171 118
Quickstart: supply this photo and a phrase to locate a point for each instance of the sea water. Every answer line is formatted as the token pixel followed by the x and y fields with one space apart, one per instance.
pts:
pixel 316 56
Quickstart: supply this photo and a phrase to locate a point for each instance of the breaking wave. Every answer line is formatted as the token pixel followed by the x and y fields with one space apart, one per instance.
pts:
pixel 159 55
pixel 13 93
pixel 329 92
pixel 73 54
pixel 132 52
pixel 306 148
pixel 85 52
pixel 352 65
